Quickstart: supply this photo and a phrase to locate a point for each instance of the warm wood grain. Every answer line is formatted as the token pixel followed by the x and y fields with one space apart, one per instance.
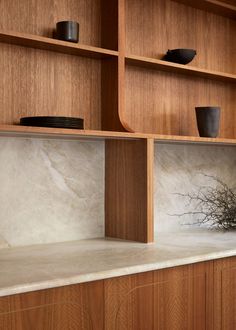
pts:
pixel 225 294
pixel 183 297
pixel 109 24
pixel 40 17
pixel 72 307
pixel 164 103
pixel 224 8
pixel 170 299
pixel 110 96
pixel 151 63
pixel 37 82
pixel 160 96
pixel 39 42
pixel 128 190
pixel 59 133
pixel 129 302
pixel 154 26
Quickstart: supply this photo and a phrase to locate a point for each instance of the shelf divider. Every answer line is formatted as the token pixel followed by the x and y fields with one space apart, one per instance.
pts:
pixel 157 64
pixel 39 42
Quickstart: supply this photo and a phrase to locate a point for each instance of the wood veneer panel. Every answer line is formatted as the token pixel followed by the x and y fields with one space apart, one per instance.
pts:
pixel 39 17
pixel 224 8
pixel 225 294
pixel 72 307
pixel 37 82
pixel 172 299
pixel 154 26
pixel 183 297
pixel 110 96
pixel 129 302
pixel 164 103
pixel 128 190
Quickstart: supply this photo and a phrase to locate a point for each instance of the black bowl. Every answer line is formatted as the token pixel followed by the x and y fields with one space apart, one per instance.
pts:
pixel 181 56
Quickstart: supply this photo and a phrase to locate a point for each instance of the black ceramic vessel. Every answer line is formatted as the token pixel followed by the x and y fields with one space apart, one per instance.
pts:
pixel 67 31
pixel 181 56
pixel 208 121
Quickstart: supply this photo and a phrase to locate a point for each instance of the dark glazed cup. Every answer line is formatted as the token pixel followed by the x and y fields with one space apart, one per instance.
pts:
pixel 208 121
pixel 67 31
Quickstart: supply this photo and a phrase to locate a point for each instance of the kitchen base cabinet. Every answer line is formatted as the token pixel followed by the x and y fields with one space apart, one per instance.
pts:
pixel 71 307
pixel 225 294
pixel 175 298
pixel 192 297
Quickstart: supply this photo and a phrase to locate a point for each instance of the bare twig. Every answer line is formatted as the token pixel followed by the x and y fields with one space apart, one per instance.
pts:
pixel 215 206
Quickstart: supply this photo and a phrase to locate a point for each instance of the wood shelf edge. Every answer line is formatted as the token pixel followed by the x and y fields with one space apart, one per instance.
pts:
pixel 157 64
pixel 44 43
pixel 46 132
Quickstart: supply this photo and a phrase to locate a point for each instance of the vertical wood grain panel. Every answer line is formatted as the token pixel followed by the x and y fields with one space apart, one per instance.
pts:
pixel 40 17
pixel 181 298
pixel 129 302
pixel 225 294
pixel 154 26
pixel 128 190
pixel 170 299
pixel 36 82
pixel 72 307
pixel 164 103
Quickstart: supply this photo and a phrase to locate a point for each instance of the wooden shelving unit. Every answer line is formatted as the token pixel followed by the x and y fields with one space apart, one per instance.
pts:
pixel 115 80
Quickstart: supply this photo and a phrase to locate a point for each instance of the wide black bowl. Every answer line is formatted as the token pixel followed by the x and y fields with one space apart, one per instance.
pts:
pixel 181 56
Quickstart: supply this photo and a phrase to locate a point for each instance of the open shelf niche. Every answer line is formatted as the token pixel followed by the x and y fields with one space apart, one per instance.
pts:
pixel 160 97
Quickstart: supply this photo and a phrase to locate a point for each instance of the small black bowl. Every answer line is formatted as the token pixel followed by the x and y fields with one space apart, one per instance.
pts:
pixel 181 56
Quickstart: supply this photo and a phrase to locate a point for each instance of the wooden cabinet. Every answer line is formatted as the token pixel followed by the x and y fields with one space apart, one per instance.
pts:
pixel 192 297
pixel 225 294
pixel 75 307
pixel 175 298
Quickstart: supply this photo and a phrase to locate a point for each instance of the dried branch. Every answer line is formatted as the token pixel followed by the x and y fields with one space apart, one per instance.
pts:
pixel 215 206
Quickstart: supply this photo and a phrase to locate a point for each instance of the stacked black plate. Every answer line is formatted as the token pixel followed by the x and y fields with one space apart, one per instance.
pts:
pixel 53 121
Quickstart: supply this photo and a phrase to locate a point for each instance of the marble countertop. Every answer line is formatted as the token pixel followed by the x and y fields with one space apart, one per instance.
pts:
pixel 38 267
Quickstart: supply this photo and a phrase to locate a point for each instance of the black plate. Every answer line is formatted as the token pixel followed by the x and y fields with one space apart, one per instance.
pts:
pixel 53 121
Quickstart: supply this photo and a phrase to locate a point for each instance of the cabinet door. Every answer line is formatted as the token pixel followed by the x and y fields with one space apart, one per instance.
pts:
pixel 171 299
pixel 225 294
pixel 74 307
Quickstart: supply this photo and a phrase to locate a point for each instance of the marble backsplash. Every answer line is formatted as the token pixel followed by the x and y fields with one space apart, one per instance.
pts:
pixel 53 190
pixel 50 191
pixel 180 169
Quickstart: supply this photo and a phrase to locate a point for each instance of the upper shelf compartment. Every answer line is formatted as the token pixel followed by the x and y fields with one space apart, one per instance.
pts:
pixel 158 25
pixel 98 20
pixel 227 8
pixel 39 42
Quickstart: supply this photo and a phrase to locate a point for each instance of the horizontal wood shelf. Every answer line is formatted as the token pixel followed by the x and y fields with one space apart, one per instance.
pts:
pixel 39 42
pixel 158 138
pixel 156 64
pixel 214 6
pixel 74 134
pixel 64 133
